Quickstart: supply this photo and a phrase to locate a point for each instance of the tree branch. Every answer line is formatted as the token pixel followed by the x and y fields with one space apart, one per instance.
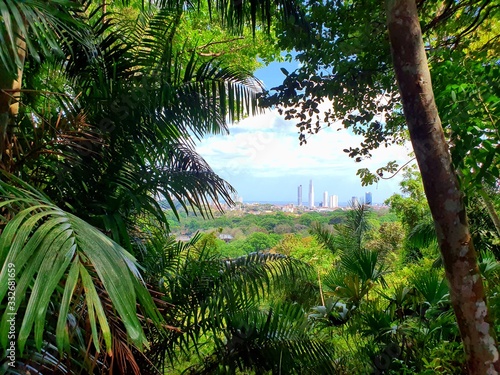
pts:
pixel 220 42
pixel 399 170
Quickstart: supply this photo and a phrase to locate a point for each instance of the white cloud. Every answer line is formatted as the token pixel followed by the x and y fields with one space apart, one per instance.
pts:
pixel 268 146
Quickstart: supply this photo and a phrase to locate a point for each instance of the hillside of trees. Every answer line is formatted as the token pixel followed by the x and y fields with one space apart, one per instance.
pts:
pixel 102 104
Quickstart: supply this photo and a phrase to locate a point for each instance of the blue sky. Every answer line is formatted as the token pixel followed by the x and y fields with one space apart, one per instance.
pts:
pixel 262 158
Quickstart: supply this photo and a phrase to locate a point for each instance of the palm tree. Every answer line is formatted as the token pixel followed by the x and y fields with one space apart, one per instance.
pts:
pixel 358 268
pixel 232 303
pixel 108 126
pixel 105 125
pixel 68 269
pixel 31 31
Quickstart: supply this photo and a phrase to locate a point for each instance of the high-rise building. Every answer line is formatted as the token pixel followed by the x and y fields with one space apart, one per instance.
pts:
pixel 334 201
pixel 311 194
pixel 325 199
pixel 355 202
pixel 299 196
pixel 368 198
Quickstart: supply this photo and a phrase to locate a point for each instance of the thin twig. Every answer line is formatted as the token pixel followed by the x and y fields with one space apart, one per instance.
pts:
pixel 399 170
pixel 221 42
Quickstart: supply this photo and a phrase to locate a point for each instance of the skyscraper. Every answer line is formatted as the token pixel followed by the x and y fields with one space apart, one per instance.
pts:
pixel 299 196
pixel 325 199
pixel 368 198
pixel 311 194
pixel 334 201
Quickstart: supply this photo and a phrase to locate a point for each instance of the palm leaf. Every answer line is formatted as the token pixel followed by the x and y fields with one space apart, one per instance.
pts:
pixel 42 25
pixel 365 264
pixel 423 235
pixel 52 240
pixel 205 289
pixel 196 94
pixel 489 265
pixel 433 287
pixel 169 104
pixel 377 322
pixel 355 275
pixel 348 236
pixel 325 236
pixel 280 340
pixel 236 15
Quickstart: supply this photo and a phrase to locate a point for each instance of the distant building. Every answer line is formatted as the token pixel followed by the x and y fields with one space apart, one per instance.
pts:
pixel 368 198
pixel 355 202
pixel 299 196
pixel 325 199
pixel 311 194
pixel 225 237
pixel 334 201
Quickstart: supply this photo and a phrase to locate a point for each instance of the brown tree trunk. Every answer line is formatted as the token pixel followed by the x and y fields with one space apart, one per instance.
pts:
pixel 441 188
pixel 10 87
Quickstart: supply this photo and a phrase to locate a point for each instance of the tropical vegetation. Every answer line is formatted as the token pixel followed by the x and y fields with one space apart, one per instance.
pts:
pixel 101 105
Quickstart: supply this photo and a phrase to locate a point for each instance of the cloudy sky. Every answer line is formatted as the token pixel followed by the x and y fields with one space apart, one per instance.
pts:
pixel 262 158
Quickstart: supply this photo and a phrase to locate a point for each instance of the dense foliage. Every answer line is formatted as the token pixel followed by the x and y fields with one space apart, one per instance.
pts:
pixel 378 289
pixel 101 106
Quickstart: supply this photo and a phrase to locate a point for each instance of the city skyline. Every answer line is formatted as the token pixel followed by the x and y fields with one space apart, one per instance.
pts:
pixel 331 201
pixel 263 160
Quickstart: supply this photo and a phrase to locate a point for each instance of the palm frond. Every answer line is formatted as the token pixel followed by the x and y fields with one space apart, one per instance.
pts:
pixel 51 248
pixel 235 16
pixel 347 287
pixel 137 142
pixel 205 289
pixel 377 322
pixel 357 222
pixel 194 93
pixel 256 271
pixel 325 236
pixel 280 340
pixel 423 235
pixel 348 236
pixel 185 176
pixel 233 283
pixel 432 286
pixel 41 25
pixel 488 265
pixel 355 275
pixel 364 263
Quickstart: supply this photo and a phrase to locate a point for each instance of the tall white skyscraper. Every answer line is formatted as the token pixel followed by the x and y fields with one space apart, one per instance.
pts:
pixel 325 199
pixel 311 194
pixel 334 201
pixel 299 196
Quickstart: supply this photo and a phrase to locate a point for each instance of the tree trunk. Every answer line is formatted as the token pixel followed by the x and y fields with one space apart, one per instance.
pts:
pixel 441 188
pixel 10 87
